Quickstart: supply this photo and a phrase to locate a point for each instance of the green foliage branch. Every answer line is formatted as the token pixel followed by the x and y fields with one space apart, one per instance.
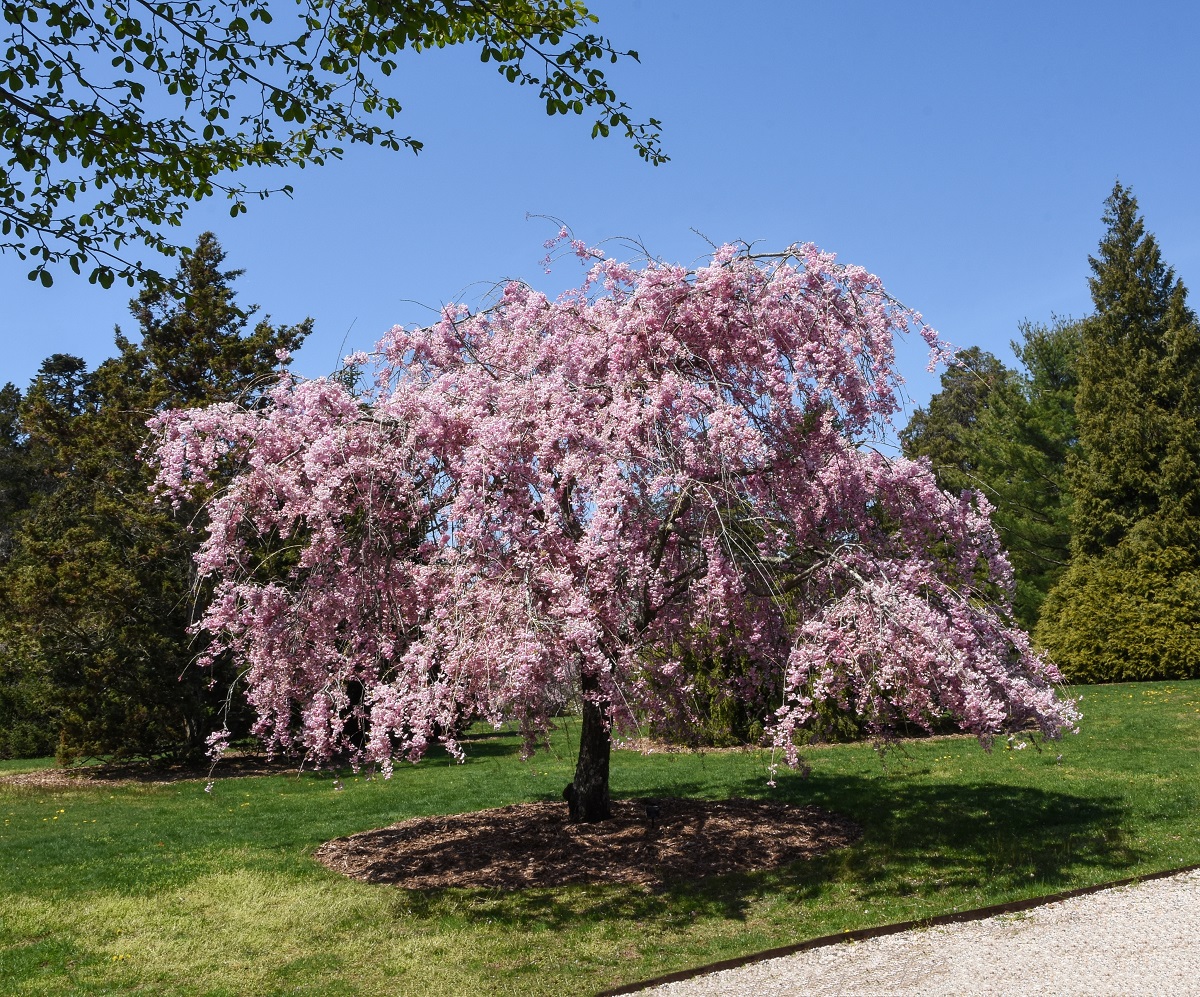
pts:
pixel 1139 389
pixel 1008 434
pixel 116 117
pixel 1131 614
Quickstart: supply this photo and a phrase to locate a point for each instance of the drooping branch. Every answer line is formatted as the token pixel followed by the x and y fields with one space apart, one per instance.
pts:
pixel 527 534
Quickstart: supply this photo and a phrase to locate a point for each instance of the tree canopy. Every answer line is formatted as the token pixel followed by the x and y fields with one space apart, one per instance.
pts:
pixel 1028 437
pixel 570 499
pixel 945 431
pixel 1139 388
pixel 16 470
pixel 115 117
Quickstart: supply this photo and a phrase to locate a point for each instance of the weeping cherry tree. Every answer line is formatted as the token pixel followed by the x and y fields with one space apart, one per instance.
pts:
pixel 571 499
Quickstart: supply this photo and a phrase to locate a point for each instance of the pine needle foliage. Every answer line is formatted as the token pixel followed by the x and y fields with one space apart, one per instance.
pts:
pixel 1007 434
pixel 1129 605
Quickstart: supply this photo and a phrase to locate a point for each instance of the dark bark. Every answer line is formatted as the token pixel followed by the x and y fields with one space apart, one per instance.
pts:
pixel 587 797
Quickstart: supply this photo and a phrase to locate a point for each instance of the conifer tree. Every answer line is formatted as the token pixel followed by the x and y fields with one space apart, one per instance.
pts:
pixel 14 470
pixel 1024 439
pixel 945 431
pixel 1129 605
pixel 99 591
pixel 1007 434
pixel 1139 389
pixel 26 708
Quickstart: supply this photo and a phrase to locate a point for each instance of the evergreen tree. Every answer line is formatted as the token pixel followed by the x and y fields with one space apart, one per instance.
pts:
pixel 1007 434
pixel 1129 605
pixel 100 588
pixel 945 432
pixel 30 712
pixel 26 707
pixel 197 348
pixel 1130 614
pixel 1139 389
pixel 14 466
pixel 1023 440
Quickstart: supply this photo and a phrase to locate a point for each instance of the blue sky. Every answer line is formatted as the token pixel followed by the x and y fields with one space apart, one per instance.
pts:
pixel 960 151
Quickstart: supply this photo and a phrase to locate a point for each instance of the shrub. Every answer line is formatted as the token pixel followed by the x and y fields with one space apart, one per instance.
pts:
pixel 1130 614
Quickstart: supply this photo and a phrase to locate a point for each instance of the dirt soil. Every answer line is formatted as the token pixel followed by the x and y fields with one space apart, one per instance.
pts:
pixel 533 844
pixel 231 766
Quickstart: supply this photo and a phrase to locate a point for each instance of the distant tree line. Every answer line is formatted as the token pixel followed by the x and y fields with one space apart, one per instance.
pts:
pixel 1090 453
pixel 97 583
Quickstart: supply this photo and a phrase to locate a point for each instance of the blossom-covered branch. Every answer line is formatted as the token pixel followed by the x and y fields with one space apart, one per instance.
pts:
pixel 552 497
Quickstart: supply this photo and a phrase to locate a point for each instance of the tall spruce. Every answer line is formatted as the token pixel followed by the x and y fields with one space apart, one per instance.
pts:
pixel 1129 605
pixel 1139 389
pixel 100 588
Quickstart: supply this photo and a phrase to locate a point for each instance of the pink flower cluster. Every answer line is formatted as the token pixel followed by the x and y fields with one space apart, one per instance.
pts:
pixel 658 467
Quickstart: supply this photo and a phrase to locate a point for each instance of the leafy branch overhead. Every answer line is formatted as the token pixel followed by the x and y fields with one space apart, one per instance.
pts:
pixel 115 117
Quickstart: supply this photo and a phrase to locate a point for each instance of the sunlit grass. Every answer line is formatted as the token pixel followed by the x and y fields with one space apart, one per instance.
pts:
pixel 13 766
pixel 177 891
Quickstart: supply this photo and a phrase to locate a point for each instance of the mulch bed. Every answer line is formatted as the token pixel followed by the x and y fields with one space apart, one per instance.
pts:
pixel 533 844
pixel 118 774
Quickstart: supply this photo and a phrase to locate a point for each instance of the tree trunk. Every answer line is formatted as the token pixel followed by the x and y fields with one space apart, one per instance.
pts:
pixel 587 797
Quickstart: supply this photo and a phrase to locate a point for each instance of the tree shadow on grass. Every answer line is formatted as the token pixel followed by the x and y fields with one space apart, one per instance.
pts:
pixel 970 836
pixel 477 747
pixel 482 742
pixel 954 841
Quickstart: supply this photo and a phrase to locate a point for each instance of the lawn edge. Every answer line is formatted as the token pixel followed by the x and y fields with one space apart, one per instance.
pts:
pixel 862 934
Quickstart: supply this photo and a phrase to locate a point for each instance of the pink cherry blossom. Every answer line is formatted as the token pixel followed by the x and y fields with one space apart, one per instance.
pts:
pixel 549 496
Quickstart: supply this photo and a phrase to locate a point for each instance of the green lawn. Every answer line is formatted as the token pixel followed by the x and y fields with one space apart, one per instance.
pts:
pixel 172 890
pixel 13 766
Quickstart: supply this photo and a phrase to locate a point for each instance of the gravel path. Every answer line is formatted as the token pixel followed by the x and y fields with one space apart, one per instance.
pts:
pixel 1141 939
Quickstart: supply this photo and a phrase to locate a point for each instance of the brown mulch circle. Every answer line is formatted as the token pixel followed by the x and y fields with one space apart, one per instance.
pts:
pixel 122 774
pixel 533 844
pixel 58 779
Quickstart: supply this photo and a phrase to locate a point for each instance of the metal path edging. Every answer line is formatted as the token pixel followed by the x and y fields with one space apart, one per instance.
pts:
pixel 861 934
